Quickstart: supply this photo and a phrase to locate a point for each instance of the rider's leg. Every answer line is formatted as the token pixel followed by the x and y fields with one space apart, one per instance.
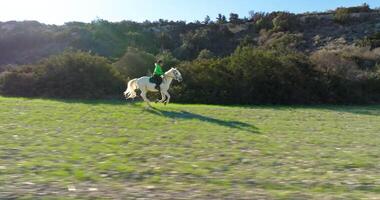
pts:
pixel 158 82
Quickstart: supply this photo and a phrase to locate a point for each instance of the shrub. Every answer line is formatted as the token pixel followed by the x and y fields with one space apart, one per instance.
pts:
pixel 263 23
pixel 285 21
pixel 346 76
pixel 205 81
pixel 280 41
pixel 332 64
pixel 357 9
pixel 168 59
pixel 77 75
pixel 205 54
pixel 68 75
pixel 249 75
pixel 135 63
pixel 372 41
pixel 269 77
pixel 17 83
pixel 342 16
pixel 255 75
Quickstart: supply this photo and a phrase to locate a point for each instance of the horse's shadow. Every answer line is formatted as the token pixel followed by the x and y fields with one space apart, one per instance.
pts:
pixel 190 116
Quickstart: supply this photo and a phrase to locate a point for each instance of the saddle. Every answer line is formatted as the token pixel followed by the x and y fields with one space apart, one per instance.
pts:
pixel 155 80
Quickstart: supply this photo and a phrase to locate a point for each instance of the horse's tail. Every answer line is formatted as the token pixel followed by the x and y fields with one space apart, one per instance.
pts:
pixel 132 86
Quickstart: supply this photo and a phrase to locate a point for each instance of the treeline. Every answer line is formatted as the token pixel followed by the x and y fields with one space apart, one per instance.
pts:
pixel 265 58
pixel 255 76
pixel 251 75
pixel 68 75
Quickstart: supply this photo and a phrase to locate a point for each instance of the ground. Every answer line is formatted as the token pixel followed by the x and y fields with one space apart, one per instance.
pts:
pixel 60 149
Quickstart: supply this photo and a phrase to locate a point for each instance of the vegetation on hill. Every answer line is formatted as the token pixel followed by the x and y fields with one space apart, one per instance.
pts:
pixel 276 57
pixel 69 75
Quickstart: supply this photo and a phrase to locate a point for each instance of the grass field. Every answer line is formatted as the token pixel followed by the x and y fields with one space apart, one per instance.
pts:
pixel 51 149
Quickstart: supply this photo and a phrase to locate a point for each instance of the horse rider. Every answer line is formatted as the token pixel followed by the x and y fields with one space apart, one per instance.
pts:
pixel 157 74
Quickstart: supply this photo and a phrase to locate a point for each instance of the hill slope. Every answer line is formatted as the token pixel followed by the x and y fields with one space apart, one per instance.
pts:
pixel 108 149
pixel 29 41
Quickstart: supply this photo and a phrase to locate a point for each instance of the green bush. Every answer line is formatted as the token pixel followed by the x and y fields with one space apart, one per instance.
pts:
pixel 250 75
pixel 205 54
pixel 358 9
pixel 77 75
pixel 168 60
pixel 266 76
pixel 281 41
pixel 285 21
pixel 372 41
pixel 68 75
pixel 17 83
pixel 342 16
pixel 256 75
pixel 135 63
pixel 215 37
pixel 263 23
pixel 346 76
pixel 205 81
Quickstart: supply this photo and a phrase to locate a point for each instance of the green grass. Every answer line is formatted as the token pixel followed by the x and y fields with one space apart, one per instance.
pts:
pixel 119 150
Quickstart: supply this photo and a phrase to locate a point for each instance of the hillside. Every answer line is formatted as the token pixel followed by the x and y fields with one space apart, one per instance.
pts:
pixel 269 58
pixel 29 41
pixel 51 149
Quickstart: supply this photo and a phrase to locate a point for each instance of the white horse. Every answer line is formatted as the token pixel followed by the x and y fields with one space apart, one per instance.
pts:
pixel 146 86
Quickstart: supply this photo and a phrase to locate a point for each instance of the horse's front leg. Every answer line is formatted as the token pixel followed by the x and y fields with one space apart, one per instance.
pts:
pixel 163 97
pixel 166 93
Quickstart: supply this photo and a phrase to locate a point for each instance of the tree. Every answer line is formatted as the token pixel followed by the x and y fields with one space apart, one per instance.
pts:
pixel 342 16
pixel 135 63
pixel 205 54
pixel 255 16
pixel 234 18
pixel 372 41
pixel 252 14
pixel 76 75
pixel 168 59
pixel 165 41
pixel 285 21
pixel 224 20
pixel 247 41
pixel 207 20
pixel 221 19
pixel 17 83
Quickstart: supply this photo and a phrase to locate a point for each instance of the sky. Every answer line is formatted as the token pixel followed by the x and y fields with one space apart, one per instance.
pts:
pixel 61 11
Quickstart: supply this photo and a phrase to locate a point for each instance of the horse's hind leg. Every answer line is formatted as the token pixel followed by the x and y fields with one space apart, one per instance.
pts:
pixel 143 95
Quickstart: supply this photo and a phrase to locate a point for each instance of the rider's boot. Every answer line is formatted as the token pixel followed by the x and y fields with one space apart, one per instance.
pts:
pixel 158 87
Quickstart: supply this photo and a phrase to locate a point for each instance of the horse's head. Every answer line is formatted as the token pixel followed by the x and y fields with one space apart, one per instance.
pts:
pixel 175 74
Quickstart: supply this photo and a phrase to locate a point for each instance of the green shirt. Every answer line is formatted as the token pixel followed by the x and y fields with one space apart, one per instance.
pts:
pixel 158 70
